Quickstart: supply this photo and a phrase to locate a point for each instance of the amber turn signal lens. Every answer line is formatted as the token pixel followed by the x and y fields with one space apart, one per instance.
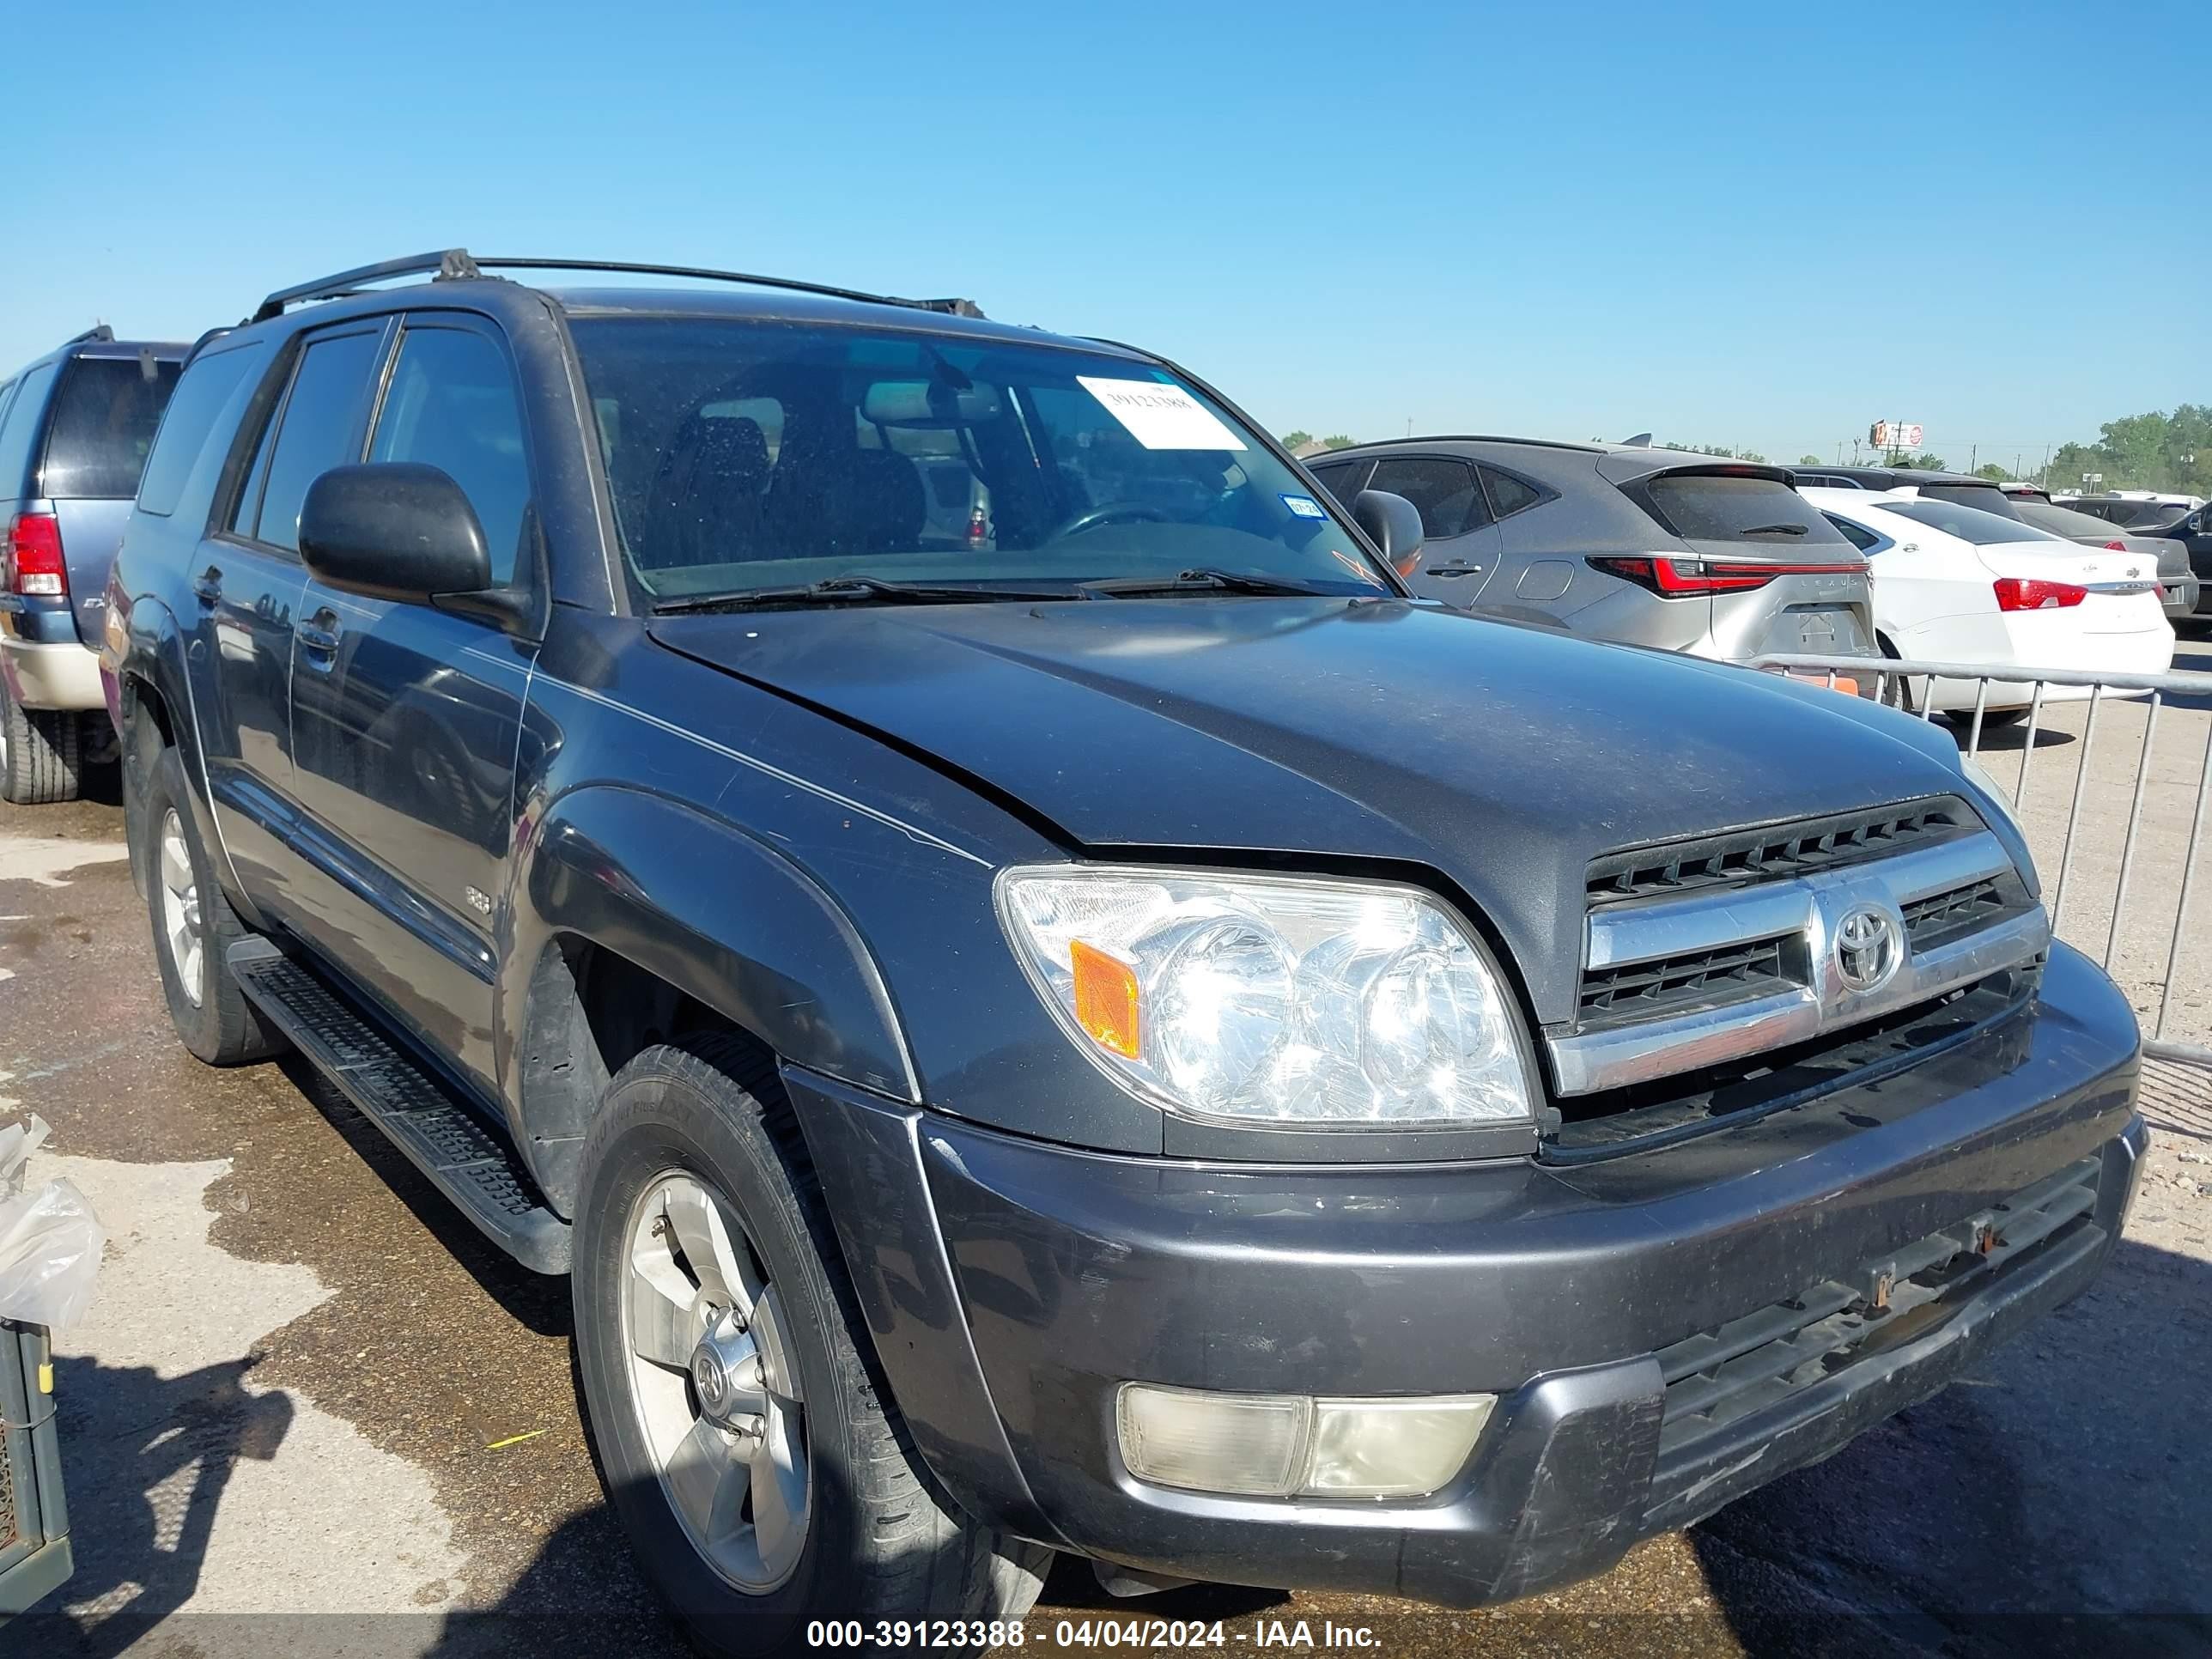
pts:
pixel 1105 999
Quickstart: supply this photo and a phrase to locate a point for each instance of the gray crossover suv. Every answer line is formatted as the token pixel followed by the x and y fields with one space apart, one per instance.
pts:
pixel 1623 542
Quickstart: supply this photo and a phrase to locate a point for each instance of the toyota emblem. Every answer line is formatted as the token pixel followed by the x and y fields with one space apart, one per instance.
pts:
pixel 1868 947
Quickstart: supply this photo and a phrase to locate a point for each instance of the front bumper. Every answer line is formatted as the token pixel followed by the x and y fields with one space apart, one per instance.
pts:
pixel 1012 1285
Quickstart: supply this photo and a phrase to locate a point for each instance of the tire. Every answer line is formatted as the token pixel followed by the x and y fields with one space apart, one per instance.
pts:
pixel 209 1011
pixel 876 1541
pixel 1994 720
pixel 41 753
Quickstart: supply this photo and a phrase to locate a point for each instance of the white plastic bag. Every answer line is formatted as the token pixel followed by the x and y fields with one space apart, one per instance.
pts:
pixel 50 1240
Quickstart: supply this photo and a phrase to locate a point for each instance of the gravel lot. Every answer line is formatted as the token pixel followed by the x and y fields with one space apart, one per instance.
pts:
pixel 312 1413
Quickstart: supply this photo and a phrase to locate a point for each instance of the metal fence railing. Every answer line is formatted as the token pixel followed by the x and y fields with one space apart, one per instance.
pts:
pixel 2116 829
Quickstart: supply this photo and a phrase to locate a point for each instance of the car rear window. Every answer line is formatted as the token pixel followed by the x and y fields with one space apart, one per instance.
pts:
pixel 1710 507
pixel 2062 521
pixel 105 417
pixel 1983 498
pixel 1968 524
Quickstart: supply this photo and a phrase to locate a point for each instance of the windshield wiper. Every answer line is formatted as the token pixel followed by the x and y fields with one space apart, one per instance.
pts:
pixel 857 590
pixel 1205 581
pixel 1774 530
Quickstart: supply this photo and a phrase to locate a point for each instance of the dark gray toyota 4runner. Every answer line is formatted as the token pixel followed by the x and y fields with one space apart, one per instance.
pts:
pixel 1045 1004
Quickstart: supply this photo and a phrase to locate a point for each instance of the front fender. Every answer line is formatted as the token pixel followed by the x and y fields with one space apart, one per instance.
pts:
pixel 715 912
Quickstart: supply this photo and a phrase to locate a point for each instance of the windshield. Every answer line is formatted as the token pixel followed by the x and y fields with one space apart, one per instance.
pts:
pixel 1968 524
pixel 745 456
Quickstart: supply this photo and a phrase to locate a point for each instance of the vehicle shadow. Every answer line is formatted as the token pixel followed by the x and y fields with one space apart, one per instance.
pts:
pixel 2056 1501
pixel 145 1461
pixel 536 1302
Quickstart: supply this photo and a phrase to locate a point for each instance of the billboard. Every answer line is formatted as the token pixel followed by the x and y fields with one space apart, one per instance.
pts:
pixel 1894 434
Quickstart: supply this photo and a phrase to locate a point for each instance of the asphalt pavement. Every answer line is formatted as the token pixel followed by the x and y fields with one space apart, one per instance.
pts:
pixel 312 1412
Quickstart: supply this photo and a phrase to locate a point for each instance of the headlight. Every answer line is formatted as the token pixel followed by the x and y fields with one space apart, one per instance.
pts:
pixel 1996 795
pixel 1271 998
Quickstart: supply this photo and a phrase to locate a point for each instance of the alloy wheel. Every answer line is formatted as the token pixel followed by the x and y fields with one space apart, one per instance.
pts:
pixel 181 907
pixel 714 1383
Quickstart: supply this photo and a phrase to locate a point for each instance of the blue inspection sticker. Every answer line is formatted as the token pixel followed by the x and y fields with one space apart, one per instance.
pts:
pixel 1305 507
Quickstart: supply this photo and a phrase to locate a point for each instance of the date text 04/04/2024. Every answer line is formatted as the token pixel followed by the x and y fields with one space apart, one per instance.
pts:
pixel 1164 1633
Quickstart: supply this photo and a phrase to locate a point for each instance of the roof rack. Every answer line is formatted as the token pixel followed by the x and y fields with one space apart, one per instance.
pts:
pixel 458 265
pixel 100 331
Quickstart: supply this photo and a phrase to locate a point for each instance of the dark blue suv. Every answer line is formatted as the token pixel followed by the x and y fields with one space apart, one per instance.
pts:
pixel 75 429
pixel 1045 1003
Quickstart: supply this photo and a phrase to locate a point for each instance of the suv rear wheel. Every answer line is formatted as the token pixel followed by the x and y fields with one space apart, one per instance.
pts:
pixel 41 753
pixel 194 926
pixel 764 1480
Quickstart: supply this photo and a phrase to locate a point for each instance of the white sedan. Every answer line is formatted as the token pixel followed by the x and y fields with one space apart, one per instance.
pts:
pixel 1954 584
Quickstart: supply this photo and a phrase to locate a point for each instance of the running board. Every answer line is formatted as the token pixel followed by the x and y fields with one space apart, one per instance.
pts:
pixel 441 1137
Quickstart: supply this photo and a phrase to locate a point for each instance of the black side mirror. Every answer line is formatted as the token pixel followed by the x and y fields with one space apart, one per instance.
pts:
pixel 1393 524
pixel 393 530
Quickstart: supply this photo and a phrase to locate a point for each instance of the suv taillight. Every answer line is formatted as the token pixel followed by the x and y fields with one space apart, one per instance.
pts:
pixel 34 556
pixel 2116 547
pixel 1672 578
pixel 2027 593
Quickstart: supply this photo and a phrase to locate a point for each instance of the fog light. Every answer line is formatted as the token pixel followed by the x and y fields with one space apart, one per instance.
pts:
pixel 1239 1443
pixel 1283 1445
pixel 1393 1447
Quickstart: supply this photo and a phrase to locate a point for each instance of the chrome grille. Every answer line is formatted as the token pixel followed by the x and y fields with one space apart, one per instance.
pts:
pixel 1700 979
pixel 1718 967
pixel 1942 915
pixel 1775 851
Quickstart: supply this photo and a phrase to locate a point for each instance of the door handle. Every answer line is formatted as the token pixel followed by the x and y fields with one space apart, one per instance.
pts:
pixel 319 632
pixel 208 585
pixel 1461 569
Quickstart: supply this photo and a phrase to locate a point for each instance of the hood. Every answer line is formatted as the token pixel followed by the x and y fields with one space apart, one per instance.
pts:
pixel 1336 731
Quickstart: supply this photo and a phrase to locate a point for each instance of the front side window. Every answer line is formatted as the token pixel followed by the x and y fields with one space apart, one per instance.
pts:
pixel 1341 480
pixel 452 405
pixel 319 429
pixel 105 417
pixel 1444 492
pixel 744 456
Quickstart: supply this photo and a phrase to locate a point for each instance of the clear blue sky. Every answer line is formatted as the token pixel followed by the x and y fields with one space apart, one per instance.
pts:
pixel 1757 226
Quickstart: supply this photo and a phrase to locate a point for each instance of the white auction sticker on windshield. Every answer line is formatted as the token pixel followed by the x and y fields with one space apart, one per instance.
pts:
pixel 1159 416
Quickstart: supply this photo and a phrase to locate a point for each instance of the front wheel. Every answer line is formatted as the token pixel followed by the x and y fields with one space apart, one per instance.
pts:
pixel 764 1480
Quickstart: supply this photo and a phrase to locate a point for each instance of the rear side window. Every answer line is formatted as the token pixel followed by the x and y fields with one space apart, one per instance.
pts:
pixel 104 417
pixel 22 430
pixel 321 429
pixel 206 389
pixel 1509 495
pixel 451 406
pixel 1443 492
pixel 1707 507
pixel 1857 535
